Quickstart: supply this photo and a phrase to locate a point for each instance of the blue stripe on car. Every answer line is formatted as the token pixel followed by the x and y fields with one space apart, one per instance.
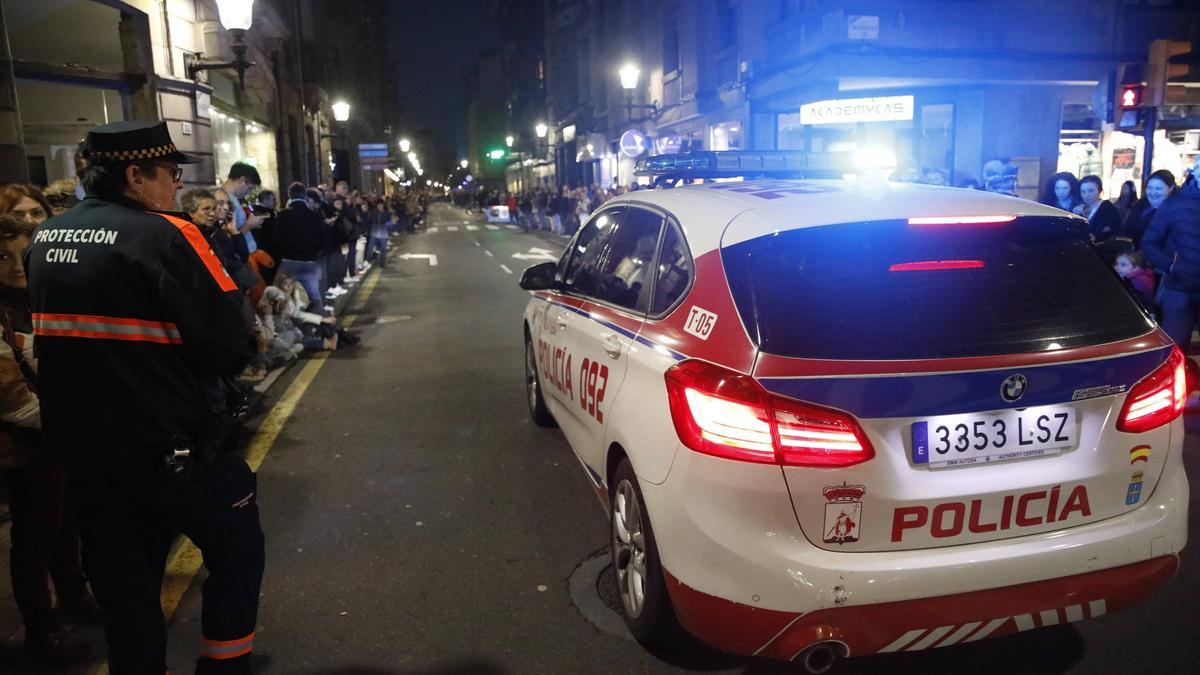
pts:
pixel 878 396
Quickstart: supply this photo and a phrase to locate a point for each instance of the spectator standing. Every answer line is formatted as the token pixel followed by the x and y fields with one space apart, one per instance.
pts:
pixel 1172 245
pixel 25 203
pixel 242 179
pixel 265 205
pixel 45 532
pixel 1158 188
pixel 377 237
pixel 301 236
pixel 1102 216
pixel 1062 191
pixel 120 259
pixel 1126 199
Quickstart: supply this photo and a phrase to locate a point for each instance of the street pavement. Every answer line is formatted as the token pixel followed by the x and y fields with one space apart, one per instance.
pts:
pixel 418 522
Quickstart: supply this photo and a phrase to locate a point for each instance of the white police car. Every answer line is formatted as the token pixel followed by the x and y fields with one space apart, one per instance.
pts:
pixel 835 418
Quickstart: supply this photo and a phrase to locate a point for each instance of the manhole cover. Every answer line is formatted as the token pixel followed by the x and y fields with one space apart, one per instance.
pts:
pixel 594 593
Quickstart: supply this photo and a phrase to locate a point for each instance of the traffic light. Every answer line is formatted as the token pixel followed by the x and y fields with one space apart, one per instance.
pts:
pixel 1169 60
pixel 1130 96
pixel 496 154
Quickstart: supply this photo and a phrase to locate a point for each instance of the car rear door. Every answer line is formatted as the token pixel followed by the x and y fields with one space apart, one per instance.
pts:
pixel 616 307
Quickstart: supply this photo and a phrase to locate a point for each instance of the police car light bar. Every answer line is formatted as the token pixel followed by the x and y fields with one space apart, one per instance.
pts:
pixel 733 164
pixel 962 220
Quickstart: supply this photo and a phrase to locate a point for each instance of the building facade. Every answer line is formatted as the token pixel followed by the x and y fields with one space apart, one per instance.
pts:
pixel 937 87
pixel 124 60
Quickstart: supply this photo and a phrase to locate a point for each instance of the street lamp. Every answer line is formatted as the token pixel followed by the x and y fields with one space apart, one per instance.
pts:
pixel 541 129
pixel 341 111
pixel 404 145
pixel 236 17
pixel 508 140
pixel 464 164
pixel 629 74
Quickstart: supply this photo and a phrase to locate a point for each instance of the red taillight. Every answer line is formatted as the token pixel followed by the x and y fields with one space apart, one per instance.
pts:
pixel 1157 399
pixel 723 413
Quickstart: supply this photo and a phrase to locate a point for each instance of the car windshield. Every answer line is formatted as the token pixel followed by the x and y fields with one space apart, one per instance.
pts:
pixel 891 290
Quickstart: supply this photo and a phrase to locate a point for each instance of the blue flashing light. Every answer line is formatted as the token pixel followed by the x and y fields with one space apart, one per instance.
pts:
pixel 735 163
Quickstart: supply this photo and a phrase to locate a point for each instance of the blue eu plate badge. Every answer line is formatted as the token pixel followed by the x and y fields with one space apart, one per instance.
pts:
pixel 920 442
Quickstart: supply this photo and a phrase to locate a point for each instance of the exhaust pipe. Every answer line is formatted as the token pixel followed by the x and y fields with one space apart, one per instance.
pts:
pixel 819 658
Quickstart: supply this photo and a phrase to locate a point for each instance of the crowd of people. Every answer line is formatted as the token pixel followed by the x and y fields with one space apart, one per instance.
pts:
pixel 290 263
pixel 560 210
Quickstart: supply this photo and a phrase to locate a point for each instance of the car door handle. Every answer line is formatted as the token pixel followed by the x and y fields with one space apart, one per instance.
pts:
pixel 560 321
pixel 612 346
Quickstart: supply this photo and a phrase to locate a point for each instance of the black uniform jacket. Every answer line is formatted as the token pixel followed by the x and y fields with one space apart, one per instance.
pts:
pixel 134 317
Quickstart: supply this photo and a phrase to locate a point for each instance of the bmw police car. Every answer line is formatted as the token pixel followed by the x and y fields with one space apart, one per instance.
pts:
pixel 837 417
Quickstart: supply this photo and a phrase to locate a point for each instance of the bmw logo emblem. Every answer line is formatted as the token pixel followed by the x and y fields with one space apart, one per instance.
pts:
pixel 1013 388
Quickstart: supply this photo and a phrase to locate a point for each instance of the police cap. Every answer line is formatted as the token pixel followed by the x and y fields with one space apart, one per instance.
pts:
pixel 133 142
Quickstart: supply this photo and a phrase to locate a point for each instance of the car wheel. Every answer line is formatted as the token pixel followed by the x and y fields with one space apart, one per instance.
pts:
pixel 646 608
pixel 538 411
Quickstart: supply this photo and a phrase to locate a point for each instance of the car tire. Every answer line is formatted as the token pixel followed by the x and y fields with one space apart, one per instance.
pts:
pixel 538 411
pixel 646 608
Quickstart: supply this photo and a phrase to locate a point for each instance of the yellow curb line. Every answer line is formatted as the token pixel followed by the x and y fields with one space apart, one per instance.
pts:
pixel 186 559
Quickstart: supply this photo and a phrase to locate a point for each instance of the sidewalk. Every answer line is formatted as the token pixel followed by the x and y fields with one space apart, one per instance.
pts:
pixel 12 630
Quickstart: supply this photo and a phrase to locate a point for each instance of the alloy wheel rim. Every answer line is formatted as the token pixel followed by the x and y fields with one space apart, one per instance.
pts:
pixel 629 548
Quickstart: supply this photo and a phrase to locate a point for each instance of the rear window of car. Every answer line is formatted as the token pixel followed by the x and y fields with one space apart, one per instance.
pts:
pixel 891 290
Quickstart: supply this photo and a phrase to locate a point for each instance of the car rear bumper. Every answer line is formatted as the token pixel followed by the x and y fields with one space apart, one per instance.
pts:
pixel 735 555
pixel 925 623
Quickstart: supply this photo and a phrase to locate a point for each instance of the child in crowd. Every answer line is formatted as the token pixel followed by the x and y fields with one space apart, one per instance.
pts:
pixel 1132 267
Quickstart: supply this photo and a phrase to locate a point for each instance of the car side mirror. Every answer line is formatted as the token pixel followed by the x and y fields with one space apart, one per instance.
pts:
pixel 539 277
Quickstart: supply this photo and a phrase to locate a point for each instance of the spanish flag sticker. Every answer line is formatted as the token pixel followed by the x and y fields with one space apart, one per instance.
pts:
pixel 1139 454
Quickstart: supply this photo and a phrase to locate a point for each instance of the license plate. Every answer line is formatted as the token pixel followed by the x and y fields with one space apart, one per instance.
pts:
pixel 983 438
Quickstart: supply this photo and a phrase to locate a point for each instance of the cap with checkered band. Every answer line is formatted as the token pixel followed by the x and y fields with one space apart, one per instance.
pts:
pixel 133 142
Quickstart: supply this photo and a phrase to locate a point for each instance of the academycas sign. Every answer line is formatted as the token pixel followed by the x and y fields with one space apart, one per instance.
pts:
pixel 850 110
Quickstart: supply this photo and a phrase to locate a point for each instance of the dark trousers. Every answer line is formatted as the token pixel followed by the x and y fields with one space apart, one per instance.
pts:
pixel 45 544
pixel 129 515
pixel 1181 315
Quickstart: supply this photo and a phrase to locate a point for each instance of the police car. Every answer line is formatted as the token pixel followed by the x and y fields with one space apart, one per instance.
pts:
pixel 498 214
pixel 833 418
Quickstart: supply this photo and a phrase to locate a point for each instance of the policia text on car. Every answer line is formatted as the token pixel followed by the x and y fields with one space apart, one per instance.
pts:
pixel 136 324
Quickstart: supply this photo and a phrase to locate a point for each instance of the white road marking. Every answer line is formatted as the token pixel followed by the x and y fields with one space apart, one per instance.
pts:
pixel 536 254
pixel 452 228
pixel 512 227
pixel 477 243
pixel 505 268
pixel 471 228
pixel 493 227
pixel 489 253
pixel 432 230
pixel 428 256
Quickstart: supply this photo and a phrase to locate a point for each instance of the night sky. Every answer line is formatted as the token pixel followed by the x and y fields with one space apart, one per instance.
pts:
pixel 436 44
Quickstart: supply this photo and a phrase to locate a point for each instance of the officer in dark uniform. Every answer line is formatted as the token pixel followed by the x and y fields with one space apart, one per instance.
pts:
pixel 136 322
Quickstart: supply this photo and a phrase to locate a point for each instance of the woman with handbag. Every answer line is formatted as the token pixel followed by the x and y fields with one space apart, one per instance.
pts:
pixel 45 535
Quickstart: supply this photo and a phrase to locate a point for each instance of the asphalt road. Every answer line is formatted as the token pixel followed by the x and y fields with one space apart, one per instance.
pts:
pixel 418 522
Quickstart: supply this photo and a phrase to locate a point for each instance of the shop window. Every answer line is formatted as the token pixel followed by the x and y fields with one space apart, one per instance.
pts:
pixel 937 139
pixel 1079 141
pixel 236 139
pixel 727 136
pixel 55 117
pixel 93 29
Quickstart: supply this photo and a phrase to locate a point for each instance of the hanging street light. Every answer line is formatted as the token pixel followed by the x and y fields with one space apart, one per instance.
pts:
pixel 629 74
pixel 404 145
pixel 341 111
pixel 541 129
pixel 508 140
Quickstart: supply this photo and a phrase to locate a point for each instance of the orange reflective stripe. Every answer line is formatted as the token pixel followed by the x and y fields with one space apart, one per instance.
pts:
pixel 227 649
pixel 193 236
pixel 106 328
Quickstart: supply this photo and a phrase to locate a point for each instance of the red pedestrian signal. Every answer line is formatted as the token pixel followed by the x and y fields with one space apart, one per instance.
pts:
pixel 1131 95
